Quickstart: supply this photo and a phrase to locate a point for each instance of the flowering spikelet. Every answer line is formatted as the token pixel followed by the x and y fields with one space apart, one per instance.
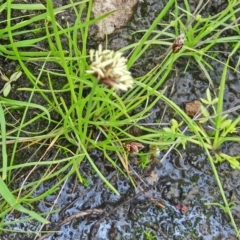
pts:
pixel 178 43
pixel 110 68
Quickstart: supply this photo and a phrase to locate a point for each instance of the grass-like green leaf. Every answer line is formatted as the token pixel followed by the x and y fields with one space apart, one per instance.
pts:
pixel 14 203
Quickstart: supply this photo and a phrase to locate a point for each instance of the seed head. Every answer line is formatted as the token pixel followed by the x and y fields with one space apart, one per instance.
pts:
pixel 110 68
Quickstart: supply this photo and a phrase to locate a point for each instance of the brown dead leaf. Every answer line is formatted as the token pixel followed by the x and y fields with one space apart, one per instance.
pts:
pixel 192 108
pixel 184 208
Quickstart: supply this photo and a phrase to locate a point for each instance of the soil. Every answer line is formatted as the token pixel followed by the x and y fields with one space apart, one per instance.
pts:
pixel 170 199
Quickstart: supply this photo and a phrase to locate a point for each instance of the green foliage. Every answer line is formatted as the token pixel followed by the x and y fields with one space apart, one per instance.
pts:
pixel 144 161
pixel 148 235
pixel 95 117
pixel 211 141
pixel 7 86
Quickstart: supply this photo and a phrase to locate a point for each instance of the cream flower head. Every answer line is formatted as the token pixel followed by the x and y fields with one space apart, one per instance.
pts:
pixel 110 68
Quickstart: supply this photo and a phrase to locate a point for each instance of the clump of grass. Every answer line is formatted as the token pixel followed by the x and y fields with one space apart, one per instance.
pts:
pixel 94 116
pixel 101 110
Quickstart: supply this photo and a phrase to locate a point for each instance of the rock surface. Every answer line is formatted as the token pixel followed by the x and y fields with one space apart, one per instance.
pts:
pixel 123 12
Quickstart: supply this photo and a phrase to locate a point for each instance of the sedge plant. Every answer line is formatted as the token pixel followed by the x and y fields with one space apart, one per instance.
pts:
pixel 93 116
pixel 90 108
